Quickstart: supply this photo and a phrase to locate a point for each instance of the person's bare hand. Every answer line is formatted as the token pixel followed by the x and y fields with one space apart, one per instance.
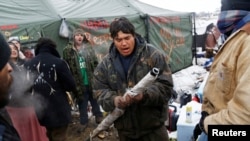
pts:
pixel 129 99
pixel 120 102
pixel 137 98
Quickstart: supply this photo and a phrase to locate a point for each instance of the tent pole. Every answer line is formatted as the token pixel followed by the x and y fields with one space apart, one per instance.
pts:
pixel 194 49
pixel 145 18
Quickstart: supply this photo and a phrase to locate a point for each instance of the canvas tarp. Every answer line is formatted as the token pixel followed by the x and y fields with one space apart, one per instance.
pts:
pixel 170 31
pixel 26 18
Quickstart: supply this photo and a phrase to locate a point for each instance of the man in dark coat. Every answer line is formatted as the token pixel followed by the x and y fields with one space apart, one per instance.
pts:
pixel 52 79
pixel 7 131
pixel 129 59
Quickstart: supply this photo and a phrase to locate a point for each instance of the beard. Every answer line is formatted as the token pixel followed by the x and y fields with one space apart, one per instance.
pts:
pixel 4 102
pixel 4 93
pixel 4 98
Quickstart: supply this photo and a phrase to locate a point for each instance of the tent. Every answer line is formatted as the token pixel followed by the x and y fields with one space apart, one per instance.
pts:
pixel 26 17
pixel 169 31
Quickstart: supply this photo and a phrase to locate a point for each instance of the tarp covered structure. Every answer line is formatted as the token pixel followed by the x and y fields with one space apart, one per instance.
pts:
pixel 170 31
pixel 26 18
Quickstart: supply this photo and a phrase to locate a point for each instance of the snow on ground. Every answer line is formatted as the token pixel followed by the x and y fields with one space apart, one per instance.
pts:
pixel 202 23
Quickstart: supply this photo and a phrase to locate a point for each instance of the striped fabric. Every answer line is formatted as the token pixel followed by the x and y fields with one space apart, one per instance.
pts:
pixel 232 20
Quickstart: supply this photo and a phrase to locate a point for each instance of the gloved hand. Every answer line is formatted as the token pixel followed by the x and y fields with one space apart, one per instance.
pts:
pixel 196 132
pixel 199 128
pixel 201 123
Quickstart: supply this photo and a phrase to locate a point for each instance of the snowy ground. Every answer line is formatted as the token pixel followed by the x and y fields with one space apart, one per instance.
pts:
pixel 201 24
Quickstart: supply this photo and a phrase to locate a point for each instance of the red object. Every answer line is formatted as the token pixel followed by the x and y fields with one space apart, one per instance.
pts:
pixel 196 98
pixel 26 123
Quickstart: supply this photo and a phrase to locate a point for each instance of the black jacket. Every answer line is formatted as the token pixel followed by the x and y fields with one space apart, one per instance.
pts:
pixel 7 131
pixel 52 78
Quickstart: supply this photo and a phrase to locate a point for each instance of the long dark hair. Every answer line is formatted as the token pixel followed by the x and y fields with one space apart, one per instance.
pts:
pixel 19 61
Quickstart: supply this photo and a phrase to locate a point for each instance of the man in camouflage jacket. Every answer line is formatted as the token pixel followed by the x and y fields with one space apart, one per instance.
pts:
pixel 72 53
pixel 129 59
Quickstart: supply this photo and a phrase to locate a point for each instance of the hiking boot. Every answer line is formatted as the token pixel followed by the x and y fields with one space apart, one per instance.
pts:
pixel 98 119
pixel 82 127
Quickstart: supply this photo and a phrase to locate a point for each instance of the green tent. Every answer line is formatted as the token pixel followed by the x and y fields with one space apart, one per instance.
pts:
pixel 26 18
pixel 170 31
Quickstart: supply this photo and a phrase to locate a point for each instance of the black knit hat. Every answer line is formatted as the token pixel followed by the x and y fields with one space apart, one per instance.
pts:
pixel 235 5
pixel 4 51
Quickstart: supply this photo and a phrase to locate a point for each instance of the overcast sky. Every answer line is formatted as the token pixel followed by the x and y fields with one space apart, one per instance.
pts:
pixel 186 5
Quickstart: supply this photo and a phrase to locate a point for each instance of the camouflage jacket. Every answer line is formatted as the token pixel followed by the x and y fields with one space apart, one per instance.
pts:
pixel 110 81
pixel 71 56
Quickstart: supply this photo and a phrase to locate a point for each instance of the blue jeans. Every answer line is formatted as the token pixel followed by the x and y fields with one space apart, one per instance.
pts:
pixel 203 137
pixel 83 107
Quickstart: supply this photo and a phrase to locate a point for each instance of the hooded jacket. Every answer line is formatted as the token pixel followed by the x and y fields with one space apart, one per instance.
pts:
pixel 52 78
pixel 110 81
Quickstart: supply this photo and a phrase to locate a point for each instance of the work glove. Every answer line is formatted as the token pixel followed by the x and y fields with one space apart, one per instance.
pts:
pixel 196 132
pixel 199 128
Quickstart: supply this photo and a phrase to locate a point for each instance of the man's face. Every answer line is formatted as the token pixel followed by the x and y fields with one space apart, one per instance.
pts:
pixel 78 38
pixel 125 43
pixel 5 80
pixel 28 54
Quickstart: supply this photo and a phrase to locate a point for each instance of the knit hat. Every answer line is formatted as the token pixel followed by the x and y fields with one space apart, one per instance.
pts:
pixel 4 51
pixel 78 31
pixel 15 38
pixel 235 5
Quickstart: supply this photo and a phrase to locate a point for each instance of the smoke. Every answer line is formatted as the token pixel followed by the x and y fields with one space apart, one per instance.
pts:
pixel 21 92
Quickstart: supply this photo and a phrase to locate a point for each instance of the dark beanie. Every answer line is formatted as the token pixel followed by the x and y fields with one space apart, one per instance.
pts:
pixel 4 51
pixel 235 5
